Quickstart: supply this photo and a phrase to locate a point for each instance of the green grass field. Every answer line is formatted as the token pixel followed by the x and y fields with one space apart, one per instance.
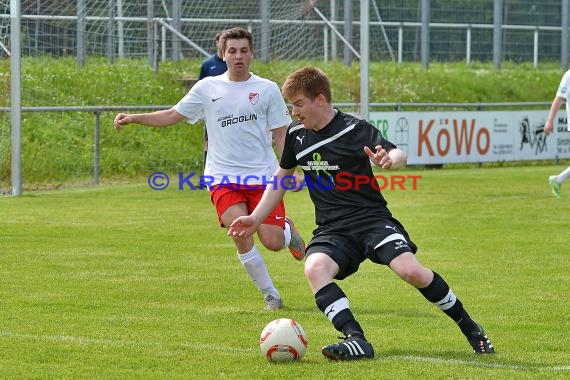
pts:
pixel 125 282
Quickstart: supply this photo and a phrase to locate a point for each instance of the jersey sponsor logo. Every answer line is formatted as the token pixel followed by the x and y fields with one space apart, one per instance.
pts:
pixel 214 99
pixel 226 121
pixel 318 165
pixel 300 139
pixel 253 97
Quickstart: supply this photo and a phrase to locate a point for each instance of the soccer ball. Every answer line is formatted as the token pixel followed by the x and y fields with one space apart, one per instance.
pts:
pixel 283 340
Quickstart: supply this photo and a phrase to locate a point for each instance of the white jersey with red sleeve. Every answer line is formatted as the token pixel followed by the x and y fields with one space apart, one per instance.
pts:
pixel 239 118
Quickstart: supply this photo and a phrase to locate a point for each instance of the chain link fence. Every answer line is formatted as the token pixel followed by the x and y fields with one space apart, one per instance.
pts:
pixel 298 29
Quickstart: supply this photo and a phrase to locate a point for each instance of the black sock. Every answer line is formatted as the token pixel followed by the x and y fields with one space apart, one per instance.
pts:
pixel 439 293
pixel 332 301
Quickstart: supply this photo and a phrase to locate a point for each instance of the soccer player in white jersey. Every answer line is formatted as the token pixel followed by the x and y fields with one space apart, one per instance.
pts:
pixel 352 216
pixel 243 114
pixel 556 181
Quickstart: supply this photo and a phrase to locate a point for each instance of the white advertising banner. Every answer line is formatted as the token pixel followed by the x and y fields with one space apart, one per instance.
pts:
pixel 474 136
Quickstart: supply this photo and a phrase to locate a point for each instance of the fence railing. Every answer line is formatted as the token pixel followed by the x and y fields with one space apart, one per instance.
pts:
pixel 400 107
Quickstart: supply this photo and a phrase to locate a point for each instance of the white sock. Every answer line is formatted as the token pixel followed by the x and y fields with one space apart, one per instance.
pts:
pixel 255 267
pixel 287 232
pixel 563 176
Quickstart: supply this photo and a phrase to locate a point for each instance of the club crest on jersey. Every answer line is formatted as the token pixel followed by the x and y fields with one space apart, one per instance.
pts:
pixel 253 97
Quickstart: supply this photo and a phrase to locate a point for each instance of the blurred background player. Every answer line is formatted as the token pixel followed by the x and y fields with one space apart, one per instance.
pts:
pixel 556 181
pixel 353 223
pixel 243 112
pixel 212 66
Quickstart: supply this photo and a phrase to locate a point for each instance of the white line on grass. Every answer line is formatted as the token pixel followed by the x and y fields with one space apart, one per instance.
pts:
pixel 476 364
pixel 230 349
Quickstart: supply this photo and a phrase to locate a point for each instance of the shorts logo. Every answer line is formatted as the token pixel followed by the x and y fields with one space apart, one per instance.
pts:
pixel 253 97
pixel 401 244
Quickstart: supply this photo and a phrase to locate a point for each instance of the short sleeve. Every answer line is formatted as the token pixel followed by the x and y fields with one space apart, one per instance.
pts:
pixel 191 106
pixel 277 112
pixel 564 86
pixel 288 159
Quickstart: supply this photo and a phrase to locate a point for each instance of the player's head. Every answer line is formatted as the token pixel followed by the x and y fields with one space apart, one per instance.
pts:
pixel 309 91
pixel 218 42
pixel 235 34
pixel 308 81
pixel 237 47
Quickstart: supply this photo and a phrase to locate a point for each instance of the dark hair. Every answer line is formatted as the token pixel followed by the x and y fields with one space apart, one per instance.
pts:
pixel 308 81
pixel 236 34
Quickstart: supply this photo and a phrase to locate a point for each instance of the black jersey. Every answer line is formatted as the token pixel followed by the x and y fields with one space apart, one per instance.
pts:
pixel 336 168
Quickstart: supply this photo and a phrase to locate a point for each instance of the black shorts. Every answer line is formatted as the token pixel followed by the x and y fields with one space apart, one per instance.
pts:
pixel 379 240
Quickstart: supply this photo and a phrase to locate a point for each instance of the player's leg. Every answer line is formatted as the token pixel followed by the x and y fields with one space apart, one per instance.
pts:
pixel 277 230
pixel 320 270
pixel 230 206
pixel 436 290
pixel 389 244
pixel 557 181
pixel 563 177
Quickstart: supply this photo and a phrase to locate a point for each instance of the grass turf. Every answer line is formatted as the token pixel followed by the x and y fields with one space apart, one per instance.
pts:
pixel 126 282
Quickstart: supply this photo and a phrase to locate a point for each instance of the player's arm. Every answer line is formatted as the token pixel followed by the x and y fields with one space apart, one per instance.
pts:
pixel 163 118
pixel 279 142
pixel 554 107
pixel 245 226
pixel 279 139
pixel 387 159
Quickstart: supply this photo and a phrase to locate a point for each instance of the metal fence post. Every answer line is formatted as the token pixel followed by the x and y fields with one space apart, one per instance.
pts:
pixel 400 43
pixel 265 31
pixel 497 34
pixel 468 45
pixel 564 36
pixel 16 96
pixel 81 31
pixel 535 49
pixel 425 34
pixel 150 31
pixel 96 152
pixel 347 31
pixel 177 25
pixel 111 32
pixel 364 59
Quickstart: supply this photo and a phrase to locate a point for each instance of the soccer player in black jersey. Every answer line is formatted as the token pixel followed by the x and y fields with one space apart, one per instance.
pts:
pixel 335 151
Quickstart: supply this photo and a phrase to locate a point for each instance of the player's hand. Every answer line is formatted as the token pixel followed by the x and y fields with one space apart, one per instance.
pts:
pixel 548 128
pixel 243 227
pixel 380 158
pixel 120 120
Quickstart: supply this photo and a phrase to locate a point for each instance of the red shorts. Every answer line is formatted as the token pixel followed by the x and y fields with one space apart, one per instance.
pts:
pixel 224 196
